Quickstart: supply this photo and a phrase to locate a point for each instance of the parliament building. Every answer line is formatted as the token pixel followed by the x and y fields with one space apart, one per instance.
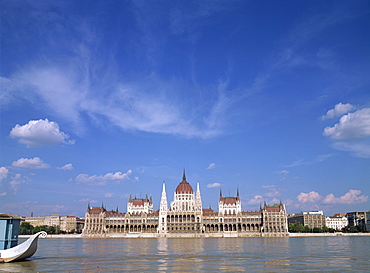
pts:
pixel 185 217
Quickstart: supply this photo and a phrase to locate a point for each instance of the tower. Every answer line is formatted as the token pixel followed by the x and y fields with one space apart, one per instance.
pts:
pixel 198 200
pixel 162 227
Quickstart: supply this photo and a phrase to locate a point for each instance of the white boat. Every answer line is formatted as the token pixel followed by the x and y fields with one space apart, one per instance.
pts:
pixel 22 251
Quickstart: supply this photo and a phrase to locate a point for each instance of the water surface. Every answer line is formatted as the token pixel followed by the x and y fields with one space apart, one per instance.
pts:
pixel 309 254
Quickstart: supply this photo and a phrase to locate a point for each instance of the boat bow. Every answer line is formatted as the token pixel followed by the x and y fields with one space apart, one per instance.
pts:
pixel 22 251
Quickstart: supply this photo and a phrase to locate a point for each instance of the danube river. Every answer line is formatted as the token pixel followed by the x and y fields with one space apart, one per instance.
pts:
pixel 309 254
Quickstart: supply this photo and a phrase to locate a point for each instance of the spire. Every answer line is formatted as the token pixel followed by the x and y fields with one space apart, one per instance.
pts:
pixel 88 206
pixel 163 204
pixel 184 176
pixel 198 187
pixel 264 203
pixel 117 209
pixel 220 194
pixel 130 199
pixel 237 194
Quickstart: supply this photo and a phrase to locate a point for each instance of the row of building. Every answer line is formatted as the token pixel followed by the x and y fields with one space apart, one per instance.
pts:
pixel 317 219
pixel 68 224
pixel 185 217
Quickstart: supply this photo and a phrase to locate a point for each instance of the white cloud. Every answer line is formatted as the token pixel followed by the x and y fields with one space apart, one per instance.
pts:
pixel 108 195
pixel 256 200
pixel 16 181
pixel 66 167
pixel 338 110
pixel 310 197
pixel 352 133
pixel 211 166
pixel 3 193
pixel 214 185
pixel 30 163
pixel 351 197
pixel 351 127
pixel 3 173
pixel 101 180
pixel 40 133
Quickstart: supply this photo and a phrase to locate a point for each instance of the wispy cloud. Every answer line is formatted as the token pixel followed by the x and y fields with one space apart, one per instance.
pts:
pixel 16 181
pixel 318 159
pixel 211 166
pixel 101 180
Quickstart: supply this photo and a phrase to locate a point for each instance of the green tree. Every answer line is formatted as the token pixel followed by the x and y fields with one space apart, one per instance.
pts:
pixel 25 228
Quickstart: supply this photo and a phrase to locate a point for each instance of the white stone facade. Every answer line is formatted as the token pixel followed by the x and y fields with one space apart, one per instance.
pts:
pixel 336 222
pixel 185 217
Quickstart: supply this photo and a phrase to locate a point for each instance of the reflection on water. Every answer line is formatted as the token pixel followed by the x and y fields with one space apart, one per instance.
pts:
pixel 205 255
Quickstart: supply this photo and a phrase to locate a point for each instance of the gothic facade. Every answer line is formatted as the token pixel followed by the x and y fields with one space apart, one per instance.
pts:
pixel 185 217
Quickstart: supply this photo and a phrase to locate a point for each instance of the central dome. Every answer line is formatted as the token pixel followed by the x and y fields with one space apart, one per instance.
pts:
pixel 184 186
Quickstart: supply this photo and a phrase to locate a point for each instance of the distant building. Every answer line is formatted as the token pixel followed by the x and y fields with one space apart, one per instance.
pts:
pixel 336 222
pixel 358 218
pixel 35 221
pixel 65 223
pixel 311 219
pixel 185 217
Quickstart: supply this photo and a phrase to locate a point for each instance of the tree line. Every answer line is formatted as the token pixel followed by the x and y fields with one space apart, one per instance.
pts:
pixel 299 228
pixel 27 229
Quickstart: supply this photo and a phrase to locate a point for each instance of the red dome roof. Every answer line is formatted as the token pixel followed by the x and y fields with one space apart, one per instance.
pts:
pixel 184 187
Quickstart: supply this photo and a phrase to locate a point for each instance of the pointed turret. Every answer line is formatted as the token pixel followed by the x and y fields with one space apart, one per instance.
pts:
pixel 198 199
pixel 237 194
pixel 220 194
pixel 162 227
pixel 163 205
pixel 184 176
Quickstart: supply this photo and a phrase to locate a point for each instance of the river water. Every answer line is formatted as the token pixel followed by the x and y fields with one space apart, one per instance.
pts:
pixel 308 254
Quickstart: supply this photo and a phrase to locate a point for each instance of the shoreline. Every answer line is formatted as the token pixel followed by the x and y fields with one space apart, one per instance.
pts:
pixel 79 236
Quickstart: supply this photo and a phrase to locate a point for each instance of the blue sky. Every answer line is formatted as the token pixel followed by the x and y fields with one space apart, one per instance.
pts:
pixel 100 99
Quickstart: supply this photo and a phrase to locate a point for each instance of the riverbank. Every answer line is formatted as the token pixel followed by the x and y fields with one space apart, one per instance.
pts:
pixel 61 236
pixel 77 236
pixel 327 234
